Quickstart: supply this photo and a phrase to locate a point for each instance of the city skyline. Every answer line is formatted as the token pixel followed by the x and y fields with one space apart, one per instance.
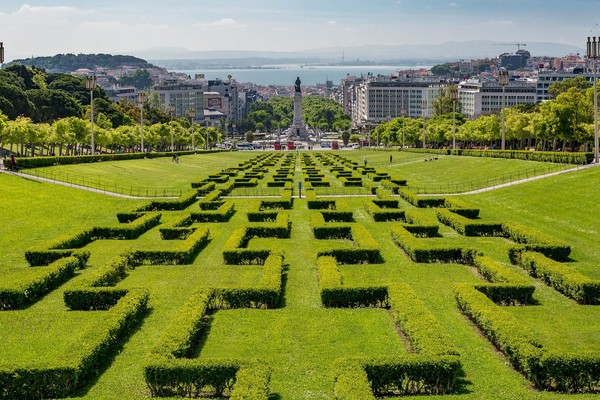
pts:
pixel 48 27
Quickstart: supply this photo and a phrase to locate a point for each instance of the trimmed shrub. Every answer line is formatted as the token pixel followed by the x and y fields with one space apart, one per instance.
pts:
pixel 84 362
pixel 185 253
pixel 507 294
pixel 183 202
pixel 222 214
pixel 422 252
pixel 495 272
pixel 562 277
pixel 533 240
pixel 468 227
pixel 384 215
pixel 421 201
pixel 18 294
pixel 352 382
pixel 252 382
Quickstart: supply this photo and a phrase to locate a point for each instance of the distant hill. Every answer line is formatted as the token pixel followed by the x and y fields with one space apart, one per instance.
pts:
pixel 66 63
pixel 425 54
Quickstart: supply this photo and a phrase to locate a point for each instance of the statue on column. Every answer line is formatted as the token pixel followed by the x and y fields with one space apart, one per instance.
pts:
pixel 298 82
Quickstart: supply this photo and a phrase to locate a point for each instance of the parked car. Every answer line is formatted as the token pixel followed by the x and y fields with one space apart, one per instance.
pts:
pixel 245 146
pixel 355 146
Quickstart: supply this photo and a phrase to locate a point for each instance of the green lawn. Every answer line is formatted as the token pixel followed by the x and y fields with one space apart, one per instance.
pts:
pixel 301 340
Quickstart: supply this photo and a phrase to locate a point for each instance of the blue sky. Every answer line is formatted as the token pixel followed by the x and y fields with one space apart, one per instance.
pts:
pixel 47 27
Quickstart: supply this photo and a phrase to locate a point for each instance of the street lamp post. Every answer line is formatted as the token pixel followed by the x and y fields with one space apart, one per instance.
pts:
pixel 141 97
pixel 454 97
pixel 403 111
pixel 90 85
pixel 503 81
pixel 171 111
pixel 593 52
pixel 1 54
pixel 191 114
pixel 423 110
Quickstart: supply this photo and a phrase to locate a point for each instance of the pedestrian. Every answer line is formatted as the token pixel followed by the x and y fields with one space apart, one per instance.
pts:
pixel 391 158
pixel 365 161
pixel 13 163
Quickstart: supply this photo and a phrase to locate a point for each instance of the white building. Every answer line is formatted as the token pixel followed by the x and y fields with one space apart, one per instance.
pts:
pixel 182 97
pixel 485 98
pixel 378 99
pixel 545 79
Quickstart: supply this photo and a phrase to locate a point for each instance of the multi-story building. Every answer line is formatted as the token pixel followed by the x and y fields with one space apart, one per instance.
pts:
pixel 485 98
pixel 233 99
pixel 182 97
pixel 545 79
pixel 378 99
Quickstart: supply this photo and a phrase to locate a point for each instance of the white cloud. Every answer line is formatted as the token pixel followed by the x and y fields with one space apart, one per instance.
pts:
pixel 331 22
pixel 222 23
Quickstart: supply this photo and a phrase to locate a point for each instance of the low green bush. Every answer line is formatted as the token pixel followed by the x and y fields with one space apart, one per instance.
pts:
pixel 184 253
pixel 385 214
pixel 421 201
pixel 562 277
pixel 495 272
pixel 422 252
pixel 84 361
pixel 18 294
pixel 468 227
pixel 183 202
pixel 507 294
pixel 222 214
pixel 533 240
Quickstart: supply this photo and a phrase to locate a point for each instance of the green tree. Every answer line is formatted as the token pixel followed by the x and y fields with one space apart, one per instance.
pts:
pixel 52 104
pixel 563 86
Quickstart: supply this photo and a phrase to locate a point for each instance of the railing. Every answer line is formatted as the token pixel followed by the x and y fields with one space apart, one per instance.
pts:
pixel 104 186
pixel 256 191
pixel 467 186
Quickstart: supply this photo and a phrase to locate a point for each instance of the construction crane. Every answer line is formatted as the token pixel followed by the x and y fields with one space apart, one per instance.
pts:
pixel 511 44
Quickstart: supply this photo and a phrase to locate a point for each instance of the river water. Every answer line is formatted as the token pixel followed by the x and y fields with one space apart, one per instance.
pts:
pixel 286 74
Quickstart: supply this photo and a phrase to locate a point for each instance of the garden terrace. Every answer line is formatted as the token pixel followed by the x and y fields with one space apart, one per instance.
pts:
pixel 484 296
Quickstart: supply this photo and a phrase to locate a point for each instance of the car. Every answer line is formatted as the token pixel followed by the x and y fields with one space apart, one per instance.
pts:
pixel 245 146
pixel 325 144
pixel 355 146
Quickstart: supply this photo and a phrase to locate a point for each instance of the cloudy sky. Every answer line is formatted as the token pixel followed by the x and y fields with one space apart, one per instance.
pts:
pixel 48 27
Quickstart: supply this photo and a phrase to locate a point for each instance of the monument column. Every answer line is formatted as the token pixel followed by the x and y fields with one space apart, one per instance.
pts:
pixel 298 129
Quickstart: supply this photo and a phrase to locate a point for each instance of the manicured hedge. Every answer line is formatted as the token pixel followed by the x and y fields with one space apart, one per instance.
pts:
pixel 183 202
pixel 562 277
pixel 563 157
pixel 366 250
pixel 385 214
pixel 234 251
pixel 352 382
pixel 95 291
pixel 515 340
pixel 37 258
pixel 85 236
pixel 333 294
pixel 36 162
pixel 469 227
pixel 420 251
pixel 266 295
pixel 534 240
pixel 18 294
pixel 507 294
pixel 495 272
pixel 83 362
pixel 184 253
pixel 421 201
pixel 564 372
pixel 423 330
pixel 221 214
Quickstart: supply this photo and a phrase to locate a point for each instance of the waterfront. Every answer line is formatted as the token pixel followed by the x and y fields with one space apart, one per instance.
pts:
pixel 286 74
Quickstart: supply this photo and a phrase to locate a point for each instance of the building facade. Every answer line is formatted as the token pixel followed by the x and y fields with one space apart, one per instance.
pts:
pixel 485 98
pixel 182 98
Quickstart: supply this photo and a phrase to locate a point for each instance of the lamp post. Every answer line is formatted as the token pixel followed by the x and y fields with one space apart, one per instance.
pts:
pixel 191 114
pixel 403 111
pixel 90 85
pixel 423 109
pixel 171 111
pixel 1 54
pixel 141 97
pixel 593 53
pixel 503 81
pixel 453 97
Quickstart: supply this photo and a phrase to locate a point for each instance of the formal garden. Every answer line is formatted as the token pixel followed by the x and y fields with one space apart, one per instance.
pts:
pixel 301 275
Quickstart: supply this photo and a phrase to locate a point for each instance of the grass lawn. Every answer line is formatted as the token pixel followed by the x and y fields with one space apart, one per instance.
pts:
pixel 300 340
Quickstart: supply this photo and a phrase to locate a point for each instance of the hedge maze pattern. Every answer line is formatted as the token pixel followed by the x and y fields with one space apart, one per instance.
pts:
pixel 432 363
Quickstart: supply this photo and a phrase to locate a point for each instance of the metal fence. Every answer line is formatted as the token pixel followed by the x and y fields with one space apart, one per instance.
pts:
pixel 105 186
pixel 467 186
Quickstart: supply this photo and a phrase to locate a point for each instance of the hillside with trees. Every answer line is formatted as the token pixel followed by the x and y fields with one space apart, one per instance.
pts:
pixel 72 62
